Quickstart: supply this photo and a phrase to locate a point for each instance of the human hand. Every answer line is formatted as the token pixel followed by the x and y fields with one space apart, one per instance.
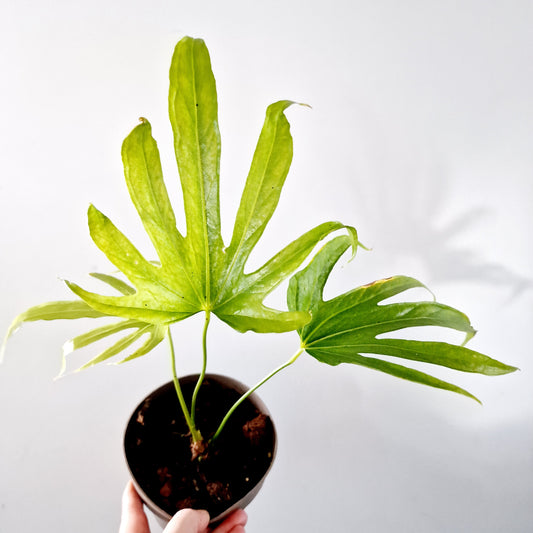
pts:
pixel 185 521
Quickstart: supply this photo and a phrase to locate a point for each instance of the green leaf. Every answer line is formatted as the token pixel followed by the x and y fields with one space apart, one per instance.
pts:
pixel 100 333
pixel 243 310
pixel 114 282
pixel 399 371
pixel 73 310
pixel 270 166
pixel 195 272
pixel 97 334
pixel 160 298
pixel 193 111
pixel 351 324
pixel 157 307
pixel 155 335
pixel 144 178
pixel 70 310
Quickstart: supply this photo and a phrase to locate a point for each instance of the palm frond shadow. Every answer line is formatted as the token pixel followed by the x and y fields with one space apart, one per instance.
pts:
pixel 409 224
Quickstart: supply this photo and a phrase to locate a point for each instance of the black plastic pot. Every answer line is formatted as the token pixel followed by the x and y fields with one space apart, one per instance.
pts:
pixel 146 449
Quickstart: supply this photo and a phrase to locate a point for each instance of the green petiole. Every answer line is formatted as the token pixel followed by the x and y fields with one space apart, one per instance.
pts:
pixel 195 434
pixel 204 367
pixel 253 389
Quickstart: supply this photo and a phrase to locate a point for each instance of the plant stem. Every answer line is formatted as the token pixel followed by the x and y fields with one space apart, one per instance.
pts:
pixel 195 434
pixel 204 366
pixel 253 389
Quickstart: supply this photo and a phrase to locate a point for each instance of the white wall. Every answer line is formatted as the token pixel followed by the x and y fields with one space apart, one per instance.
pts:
pixel 420 135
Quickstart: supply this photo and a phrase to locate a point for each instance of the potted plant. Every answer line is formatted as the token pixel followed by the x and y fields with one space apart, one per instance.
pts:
pixel 183 439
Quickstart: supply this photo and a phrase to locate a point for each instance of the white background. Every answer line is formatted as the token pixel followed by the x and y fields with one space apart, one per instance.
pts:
pixel 420 135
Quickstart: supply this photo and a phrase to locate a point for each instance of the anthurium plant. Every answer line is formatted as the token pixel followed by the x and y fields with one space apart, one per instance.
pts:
pixel 196 272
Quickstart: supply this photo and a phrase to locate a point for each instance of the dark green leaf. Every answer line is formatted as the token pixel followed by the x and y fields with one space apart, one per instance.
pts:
pixel 343 328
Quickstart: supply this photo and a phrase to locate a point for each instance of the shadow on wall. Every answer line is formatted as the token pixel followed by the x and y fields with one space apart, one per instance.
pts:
pixel 408 225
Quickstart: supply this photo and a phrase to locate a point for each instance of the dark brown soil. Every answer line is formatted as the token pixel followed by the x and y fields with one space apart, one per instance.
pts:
pixel 157 446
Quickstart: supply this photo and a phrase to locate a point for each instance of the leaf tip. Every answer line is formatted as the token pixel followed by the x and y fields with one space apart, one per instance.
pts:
pixel 68 348
pixel 469 335
pixel 13 328
pixel 469 395
pixel 68 283
pixel 60 375
pixel 4 344
pixel 355 243
pixel 3 350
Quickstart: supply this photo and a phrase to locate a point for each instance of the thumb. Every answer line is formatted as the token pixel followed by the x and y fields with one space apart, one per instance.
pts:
pixel 188 521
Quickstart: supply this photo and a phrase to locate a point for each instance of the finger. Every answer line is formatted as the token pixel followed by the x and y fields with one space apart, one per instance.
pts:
pixel 133 519
pixel 235 520
pixel 188 521
pixel 238 529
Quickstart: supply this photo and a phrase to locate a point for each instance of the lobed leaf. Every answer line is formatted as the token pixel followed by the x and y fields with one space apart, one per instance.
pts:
pixel 194 272
pixel 349 325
